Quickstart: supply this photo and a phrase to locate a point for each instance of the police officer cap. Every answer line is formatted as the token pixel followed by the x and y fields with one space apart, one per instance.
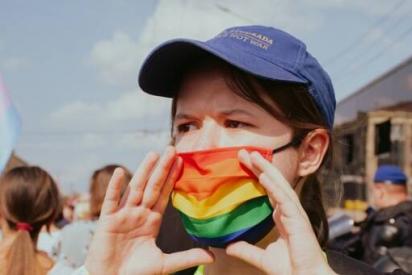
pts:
pixel 390 174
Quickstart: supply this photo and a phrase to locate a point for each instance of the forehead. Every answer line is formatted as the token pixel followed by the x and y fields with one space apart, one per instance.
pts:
pixel 207 89
pixel 206 84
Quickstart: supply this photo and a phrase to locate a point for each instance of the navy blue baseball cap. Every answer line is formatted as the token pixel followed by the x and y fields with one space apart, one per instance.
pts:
pixel 390 174
pixel 264 52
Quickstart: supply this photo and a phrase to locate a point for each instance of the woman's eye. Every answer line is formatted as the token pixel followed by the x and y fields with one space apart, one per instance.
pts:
pixel 185 127
pixel 235 124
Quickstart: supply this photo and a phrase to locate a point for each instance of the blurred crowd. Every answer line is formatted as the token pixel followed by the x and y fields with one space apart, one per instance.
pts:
pixel 44 232
pixel 35 216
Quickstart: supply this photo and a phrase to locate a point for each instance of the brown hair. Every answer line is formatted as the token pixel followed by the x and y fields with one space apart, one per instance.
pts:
pixel 295 108
pixel 27 195
pixel 98 185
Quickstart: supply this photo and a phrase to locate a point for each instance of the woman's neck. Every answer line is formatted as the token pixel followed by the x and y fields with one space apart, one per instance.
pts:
pixel 225 264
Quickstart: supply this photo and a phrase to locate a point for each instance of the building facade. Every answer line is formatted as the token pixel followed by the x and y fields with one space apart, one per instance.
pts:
pixel 373 127
pixel 372 139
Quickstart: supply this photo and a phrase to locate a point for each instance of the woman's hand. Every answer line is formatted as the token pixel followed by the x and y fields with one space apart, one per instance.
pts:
pixel 124 242
pixel 297 250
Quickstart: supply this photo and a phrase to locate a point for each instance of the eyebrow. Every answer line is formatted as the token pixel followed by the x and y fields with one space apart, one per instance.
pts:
pixel 237 111
pixel 224 113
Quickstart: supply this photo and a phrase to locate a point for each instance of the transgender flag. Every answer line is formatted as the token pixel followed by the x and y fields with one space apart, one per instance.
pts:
pixel 10 126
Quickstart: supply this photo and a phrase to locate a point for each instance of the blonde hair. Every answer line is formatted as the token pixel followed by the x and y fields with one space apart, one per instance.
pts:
pixel 29 197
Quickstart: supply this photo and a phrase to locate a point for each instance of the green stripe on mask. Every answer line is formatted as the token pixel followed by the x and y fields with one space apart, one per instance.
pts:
pixel 249 214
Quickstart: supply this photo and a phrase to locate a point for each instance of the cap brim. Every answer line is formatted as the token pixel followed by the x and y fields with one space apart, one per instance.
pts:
pixel 162 70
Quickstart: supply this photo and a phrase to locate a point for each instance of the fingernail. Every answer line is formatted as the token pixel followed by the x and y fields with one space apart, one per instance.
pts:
pixel 152 156
pixel 118 171
pixel 242 152
pixel 255 154
pixel 210 253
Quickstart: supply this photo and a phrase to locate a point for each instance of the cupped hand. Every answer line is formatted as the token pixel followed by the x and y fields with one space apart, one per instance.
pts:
pixel 124 242
pixel 297 250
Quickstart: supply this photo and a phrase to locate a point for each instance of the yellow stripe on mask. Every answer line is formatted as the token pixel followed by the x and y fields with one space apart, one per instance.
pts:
pixel 224 200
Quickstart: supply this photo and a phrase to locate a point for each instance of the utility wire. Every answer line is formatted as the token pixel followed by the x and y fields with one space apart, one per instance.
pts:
pixel 363 37
pixel 235 14
pixel 358 58
pixel 358 66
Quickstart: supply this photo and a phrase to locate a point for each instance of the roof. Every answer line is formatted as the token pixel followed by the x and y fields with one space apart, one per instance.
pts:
pixel 380 78
pixel 15 161
pixel 393 88
pixel 402 106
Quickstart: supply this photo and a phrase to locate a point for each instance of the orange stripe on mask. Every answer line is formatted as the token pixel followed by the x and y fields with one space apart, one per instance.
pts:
pixel 206 171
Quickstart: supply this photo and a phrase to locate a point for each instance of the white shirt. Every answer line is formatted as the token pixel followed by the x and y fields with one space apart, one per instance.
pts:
pixel 48 242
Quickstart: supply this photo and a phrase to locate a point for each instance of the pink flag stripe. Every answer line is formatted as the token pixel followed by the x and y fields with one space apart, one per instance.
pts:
pixel 10 126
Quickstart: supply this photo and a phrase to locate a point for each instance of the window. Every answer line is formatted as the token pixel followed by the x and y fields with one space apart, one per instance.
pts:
pixel 348 148
pixel 383 138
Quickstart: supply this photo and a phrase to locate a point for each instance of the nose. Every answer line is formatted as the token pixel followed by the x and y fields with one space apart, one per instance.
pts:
pixel 209 136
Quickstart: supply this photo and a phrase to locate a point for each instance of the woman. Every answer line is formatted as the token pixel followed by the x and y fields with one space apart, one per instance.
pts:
pixel 252 115
pixel 29 200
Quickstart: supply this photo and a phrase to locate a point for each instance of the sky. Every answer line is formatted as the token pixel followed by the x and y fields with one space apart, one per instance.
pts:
pixel 71 66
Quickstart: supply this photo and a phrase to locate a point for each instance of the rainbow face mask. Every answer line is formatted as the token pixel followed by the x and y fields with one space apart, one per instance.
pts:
pixel 220 201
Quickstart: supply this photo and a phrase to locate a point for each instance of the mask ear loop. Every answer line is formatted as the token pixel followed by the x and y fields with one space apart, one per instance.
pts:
pixel 297 140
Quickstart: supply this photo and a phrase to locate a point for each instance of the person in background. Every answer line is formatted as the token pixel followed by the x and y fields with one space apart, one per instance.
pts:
pixel 67 214
pixel 98 186
pixel 390 187
pixel 29 200
pixel 82 208
pixel 384 238
pixel 389 225
pixel 76 236
pixel 68 211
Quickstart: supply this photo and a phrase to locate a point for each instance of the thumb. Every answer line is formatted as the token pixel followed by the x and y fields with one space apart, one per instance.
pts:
pixel 246 252
pixel 185 259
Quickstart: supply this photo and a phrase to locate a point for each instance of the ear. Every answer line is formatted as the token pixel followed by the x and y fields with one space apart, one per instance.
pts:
pixel 312 151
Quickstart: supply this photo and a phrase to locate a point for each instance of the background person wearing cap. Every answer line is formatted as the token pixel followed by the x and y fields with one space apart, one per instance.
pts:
pixel 248 86
pixel 390 225
pixel 390 186
pixel 384 239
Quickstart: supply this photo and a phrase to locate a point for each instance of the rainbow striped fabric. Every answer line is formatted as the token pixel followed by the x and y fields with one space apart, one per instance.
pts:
pixel 10 125
pixel 221 201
